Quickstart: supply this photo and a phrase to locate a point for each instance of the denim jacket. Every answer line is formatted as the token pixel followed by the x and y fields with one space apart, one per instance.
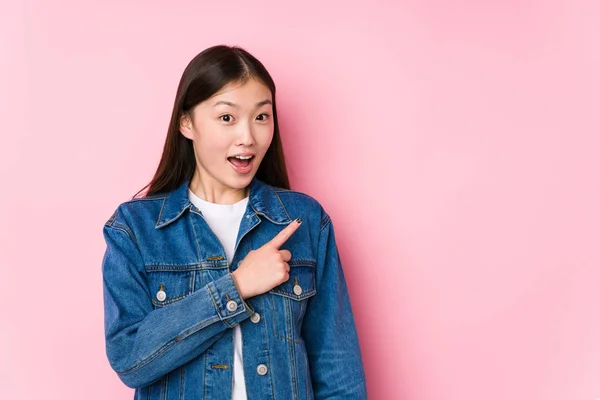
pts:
pixel 170 303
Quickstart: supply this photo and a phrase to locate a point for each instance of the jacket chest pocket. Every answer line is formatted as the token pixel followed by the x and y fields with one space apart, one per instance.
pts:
pixel 288 300
pixel 169 284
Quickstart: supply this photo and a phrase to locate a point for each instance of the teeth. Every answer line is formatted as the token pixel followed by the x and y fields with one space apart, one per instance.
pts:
pixel 243 157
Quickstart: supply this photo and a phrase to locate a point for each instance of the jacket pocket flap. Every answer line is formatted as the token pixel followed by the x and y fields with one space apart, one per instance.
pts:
pixel 301 283
pixel 167 287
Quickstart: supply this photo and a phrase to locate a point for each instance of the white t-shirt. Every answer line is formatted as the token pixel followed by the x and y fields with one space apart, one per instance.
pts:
pixel 224 220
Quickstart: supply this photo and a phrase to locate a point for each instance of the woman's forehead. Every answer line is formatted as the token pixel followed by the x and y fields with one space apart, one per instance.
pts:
pixel 247 88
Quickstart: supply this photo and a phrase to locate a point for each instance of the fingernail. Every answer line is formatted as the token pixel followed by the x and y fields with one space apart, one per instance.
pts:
pixel 299 220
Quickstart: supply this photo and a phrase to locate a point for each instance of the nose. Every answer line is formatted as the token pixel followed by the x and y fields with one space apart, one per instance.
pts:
pixel 245 135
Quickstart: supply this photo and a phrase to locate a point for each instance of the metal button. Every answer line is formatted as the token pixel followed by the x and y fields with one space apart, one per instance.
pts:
pixel 261 369
pixel 161 295
pixel 297 290
pixel 248 216
pixel 255 317
pixel 232 305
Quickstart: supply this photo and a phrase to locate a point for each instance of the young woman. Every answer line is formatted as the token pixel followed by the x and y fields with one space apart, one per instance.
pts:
pixel 221 282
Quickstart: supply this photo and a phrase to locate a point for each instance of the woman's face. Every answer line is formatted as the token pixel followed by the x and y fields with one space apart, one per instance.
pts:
pixel 238 120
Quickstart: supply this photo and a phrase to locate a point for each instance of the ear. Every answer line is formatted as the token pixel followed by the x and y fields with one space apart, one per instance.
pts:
pixel 185 126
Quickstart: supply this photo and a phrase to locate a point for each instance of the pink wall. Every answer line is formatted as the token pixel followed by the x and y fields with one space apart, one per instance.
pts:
pixel 455 146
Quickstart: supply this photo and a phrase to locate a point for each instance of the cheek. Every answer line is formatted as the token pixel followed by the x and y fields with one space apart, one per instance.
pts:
pixel 211 148
pixel 265 138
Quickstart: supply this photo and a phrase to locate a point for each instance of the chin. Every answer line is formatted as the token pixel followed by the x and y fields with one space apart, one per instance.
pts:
pixel 241 182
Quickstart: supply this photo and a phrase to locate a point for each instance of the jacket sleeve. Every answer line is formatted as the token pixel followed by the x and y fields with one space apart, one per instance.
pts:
pixel 143 344
pixel 329 330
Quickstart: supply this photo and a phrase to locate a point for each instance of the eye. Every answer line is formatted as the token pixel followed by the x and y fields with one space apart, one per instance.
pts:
pixel 266 116
pixel 226 117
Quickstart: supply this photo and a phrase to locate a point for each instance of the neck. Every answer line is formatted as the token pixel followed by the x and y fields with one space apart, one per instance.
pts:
pixel 209 189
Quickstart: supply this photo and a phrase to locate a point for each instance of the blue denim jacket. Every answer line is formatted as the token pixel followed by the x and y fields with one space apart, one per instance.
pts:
pixel 170 302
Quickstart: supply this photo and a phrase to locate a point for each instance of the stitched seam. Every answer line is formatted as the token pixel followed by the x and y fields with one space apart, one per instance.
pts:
pixel 214 301
pixel 303 262
pixel 181 383
pixel 196 328
pixel 272 303
pixel 214 266
pixel 293 296
pixel 274 317
pixel 233 356
pixel 195 237
pixel 118 225
pixel 126 230
pixel 245 304
pixel 267 217
pixel 164 386
pixel 157 353
pixel 272 220
pixel 122 230
pixel 193 282
pixel 112 218
pixel 160 225
pixel 169 301
pixel 306 374
pixel 287 338
pixel 288 313
pixel 282 206
pixel 171 267
pixel 169 344
pixel 166 267
pixel 268 352
pixel 325 221
pixel 205 368
pixel 161 211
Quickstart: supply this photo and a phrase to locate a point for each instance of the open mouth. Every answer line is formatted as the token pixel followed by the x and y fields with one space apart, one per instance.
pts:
pixel 242 165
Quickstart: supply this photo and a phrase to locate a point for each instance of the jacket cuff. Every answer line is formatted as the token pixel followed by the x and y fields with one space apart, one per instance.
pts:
pixel 230 306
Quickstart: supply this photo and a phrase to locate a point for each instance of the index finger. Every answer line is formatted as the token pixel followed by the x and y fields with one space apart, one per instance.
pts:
pixel 285 234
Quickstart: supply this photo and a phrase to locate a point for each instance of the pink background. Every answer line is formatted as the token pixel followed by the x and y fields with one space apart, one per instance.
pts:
pixel 455 145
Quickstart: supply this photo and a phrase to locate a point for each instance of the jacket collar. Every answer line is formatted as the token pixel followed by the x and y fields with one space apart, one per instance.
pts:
pixel 262 198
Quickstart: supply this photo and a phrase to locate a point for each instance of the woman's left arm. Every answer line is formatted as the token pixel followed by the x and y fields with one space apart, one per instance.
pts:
pixel 329 330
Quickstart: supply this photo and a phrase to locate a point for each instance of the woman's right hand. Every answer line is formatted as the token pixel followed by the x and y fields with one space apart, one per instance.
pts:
pixel 266 267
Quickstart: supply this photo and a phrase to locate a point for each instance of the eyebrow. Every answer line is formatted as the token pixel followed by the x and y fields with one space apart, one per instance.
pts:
pixel 230 104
